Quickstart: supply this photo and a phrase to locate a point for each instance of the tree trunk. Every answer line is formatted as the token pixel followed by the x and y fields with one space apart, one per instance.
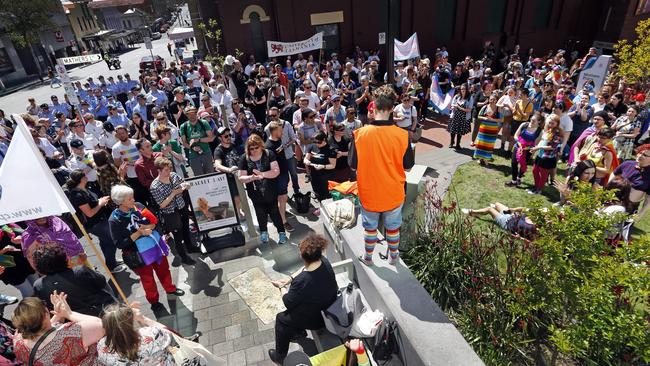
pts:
pixel 38 63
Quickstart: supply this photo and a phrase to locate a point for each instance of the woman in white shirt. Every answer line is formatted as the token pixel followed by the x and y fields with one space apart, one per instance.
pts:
pixel 405 114
pixel 506 105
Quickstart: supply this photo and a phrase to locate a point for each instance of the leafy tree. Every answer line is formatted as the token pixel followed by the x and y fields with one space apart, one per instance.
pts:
pixel 634 58
pixel 213 31
pixel 23 20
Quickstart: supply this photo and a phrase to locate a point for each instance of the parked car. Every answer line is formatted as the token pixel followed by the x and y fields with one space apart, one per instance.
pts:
pixel 156 35
pixel 156 62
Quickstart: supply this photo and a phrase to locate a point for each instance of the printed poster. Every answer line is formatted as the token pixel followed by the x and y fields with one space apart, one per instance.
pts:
pixel 212 202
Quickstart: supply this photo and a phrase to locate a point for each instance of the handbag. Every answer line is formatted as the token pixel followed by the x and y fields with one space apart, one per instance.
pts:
pixel 132 258
pixel 186 352
pixel 171 222
pixel 32 354
pixel 417 134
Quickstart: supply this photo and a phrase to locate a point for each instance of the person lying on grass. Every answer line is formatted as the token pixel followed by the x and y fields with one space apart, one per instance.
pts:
pixel 513 220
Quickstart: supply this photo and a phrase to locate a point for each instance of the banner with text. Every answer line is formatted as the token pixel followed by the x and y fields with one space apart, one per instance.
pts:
pixel 596 71
pixel 212 202
pixel 408 49
pixel 291 48
pixel 28 190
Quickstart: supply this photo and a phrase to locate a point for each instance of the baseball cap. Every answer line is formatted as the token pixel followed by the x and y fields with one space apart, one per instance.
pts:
pixel 336 96
pixel 108 127
pixel 76 143
pixel 221 130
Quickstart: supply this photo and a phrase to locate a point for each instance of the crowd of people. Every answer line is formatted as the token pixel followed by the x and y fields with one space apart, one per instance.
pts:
pixel 122 157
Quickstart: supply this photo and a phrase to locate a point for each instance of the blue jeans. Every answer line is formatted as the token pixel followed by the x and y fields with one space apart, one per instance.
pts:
pixel 392 218
pixel 293 173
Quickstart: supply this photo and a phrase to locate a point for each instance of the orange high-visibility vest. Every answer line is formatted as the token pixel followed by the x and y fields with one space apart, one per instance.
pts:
pixel 380 169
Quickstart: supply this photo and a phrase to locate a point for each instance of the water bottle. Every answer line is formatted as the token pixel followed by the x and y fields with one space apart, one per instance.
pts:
pixel 362 357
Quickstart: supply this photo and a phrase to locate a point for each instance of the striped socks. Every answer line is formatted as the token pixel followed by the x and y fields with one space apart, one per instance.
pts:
pixel 392 238
pixel 370 239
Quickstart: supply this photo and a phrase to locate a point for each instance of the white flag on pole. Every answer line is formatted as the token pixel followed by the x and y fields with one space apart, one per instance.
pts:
pixel 28 189
pixel 408 49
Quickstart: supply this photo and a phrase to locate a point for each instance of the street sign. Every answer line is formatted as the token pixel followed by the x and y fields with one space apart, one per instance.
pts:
pixel 382 38
pixel 67 83
pixel 81 59
pixel 147 43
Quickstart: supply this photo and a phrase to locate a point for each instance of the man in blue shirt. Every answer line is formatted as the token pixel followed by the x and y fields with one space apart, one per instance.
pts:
pixel 130 84
pixel 122 90
pixel 58 107
pixel 141 107
pixel 45 112
pixel 158 96
pixel 112 86
pixel 536 96
pixel 99 105
pixel 117 119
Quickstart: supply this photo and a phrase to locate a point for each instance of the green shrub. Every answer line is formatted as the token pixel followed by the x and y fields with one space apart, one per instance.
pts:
pixel 570 294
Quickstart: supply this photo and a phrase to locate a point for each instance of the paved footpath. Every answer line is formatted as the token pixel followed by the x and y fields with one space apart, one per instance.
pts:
pixel 211 306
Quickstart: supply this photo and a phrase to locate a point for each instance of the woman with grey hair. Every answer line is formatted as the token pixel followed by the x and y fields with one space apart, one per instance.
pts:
pixel 130 222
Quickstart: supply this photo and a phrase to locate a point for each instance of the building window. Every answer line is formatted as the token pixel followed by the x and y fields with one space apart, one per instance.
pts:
pixel 331 38
pixel 130 25
pixel 543 10
pixel 495 15
pixel 257 36
pixel 86 24
pixel 80 26
pixel 445 19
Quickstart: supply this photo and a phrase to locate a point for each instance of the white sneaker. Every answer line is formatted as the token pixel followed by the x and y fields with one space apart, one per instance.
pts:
pixel 466 211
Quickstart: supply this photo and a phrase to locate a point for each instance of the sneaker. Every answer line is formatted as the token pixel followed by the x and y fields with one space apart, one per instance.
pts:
pixel 283 238
pixel 533 191
pixel 466 211
pixel 264 237
pixel 119 268
pixel 363 260
pixel 393 261
pixel 512 183
pixel 7 300
pixel 288 227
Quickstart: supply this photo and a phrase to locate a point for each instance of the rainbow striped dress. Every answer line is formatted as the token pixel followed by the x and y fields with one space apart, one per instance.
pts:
pixel 487 136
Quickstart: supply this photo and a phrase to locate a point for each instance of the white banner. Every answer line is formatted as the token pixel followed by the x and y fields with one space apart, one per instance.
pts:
pixel 407 50
pixel 291 48
pixel 596 71
pixel 81 59
pixel 28 190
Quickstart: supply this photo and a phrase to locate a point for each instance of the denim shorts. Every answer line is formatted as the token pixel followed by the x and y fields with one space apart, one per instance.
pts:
pixel 392 218
pixel 503 220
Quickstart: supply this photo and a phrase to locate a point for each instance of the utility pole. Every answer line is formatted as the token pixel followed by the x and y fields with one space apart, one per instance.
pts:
pixel 392 24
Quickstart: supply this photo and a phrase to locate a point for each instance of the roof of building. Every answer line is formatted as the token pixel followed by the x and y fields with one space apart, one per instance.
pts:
pixel 98 4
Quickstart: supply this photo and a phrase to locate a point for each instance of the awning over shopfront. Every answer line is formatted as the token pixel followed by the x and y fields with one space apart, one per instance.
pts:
pixel 120 35
pixel 180 33
pixel 102 34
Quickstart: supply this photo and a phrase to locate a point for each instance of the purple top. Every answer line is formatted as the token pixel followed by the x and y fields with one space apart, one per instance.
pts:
pixel 639 178
pixel 56 231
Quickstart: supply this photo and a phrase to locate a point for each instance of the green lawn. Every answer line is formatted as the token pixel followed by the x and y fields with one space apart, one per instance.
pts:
pixel 474 186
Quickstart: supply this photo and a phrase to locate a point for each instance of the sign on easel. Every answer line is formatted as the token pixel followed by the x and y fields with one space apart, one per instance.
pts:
pixel 212 202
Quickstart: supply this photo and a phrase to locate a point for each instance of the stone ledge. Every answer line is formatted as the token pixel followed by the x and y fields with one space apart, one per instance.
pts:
pixel 428 336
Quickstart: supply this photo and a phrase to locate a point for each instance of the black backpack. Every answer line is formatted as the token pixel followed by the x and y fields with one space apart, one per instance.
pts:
pixel 302 202
pixel 386 342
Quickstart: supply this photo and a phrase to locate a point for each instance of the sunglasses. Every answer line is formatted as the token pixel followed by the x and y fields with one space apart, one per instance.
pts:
pixel 161 118
pixel 311 116
pixel 226 136
pixel 273 115
pixel 205 100
pixel 307 87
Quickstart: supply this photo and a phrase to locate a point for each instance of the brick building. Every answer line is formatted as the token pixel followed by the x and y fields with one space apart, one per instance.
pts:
pixel 462 25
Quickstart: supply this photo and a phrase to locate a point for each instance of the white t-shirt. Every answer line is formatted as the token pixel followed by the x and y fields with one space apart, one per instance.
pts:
pixel 408 114
pixel 47 147
pixel 83 162
pixel 94 129
pixel 314 101
pixel 194 79
pixel 566 123
pixel 128 153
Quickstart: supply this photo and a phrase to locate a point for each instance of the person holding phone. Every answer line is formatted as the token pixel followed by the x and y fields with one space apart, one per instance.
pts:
pixel 167 190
